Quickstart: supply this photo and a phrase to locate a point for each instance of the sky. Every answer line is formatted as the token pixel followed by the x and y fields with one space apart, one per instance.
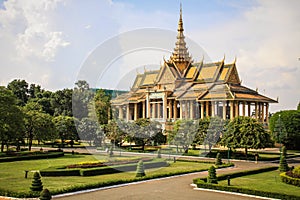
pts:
pixel 54 43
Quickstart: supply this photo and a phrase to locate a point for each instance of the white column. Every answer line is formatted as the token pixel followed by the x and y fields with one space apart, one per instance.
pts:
pixel 213 105
pixel 127 112
pixel 202 110
pixel 165 107
pixel 224 110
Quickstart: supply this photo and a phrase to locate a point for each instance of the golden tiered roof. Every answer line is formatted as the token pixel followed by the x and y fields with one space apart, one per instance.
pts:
pixel 182 79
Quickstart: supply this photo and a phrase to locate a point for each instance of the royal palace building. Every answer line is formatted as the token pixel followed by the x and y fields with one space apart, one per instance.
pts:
pixel 183 89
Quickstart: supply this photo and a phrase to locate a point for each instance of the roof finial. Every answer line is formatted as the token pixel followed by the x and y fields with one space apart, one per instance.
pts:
pixel 180 23
pixel 234 60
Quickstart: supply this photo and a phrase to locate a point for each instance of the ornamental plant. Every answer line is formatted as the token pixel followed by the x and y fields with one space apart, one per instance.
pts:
pixel 45 195
pixel 158 153
pixel 36 184
pixel 140 171
pixel 212 175
pixel 218 159
pixel 283 166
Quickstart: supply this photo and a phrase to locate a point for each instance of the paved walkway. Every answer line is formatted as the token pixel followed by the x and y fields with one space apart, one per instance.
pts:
pixel 167 188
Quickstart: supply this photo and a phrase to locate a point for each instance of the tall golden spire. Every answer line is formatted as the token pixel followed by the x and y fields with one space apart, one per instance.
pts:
pixel 180 55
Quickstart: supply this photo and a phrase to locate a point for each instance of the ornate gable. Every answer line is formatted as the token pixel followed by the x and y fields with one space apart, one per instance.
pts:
pixel 165 76
pixel 233 76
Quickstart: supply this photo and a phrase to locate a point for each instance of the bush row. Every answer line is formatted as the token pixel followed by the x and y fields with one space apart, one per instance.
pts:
pixel 101 170
pixel 289 180
pixel 239 174
pixel 32 157
pixel 202 184
pixel 75 188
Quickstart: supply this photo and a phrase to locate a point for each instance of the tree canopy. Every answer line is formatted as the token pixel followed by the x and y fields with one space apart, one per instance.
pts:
pixel 285 128
pixel 246 132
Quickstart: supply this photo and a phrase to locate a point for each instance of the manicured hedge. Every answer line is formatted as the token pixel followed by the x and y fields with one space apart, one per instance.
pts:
pixel 239 174
pixel 33 157
pixel 289 180
pixel 60 172
pixel 202 184
pixel 120 168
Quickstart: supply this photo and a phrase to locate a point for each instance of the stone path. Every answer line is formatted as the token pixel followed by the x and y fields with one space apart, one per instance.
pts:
pixel 167 188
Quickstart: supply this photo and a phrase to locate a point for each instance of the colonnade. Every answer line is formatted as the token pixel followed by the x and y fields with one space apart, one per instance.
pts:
pixel 163 109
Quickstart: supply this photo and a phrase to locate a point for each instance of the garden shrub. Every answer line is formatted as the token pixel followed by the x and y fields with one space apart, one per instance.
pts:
pixel 45 195
pixel 218 159
pixel 212 175
pixel 202 184
pixel 32 157
pixel 296 171
pixel 289 180
pixel 37 184
pixel 158 153
pixel 60 172
pixel 283 166
pixel 140 171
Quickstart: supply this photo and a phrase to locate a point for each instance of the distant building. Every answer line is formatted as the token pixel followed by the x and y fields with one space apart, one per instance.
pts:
pixel 182 89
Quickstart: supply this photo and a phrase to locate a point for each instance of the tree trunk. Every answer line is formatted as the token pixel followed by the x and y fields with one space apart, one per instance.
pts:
pixel 246 152
pixel 2 146
pixel 30 141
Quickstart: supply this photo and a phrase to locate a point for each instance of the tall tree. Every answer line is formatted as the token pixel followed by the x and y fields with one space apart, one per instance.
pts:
pixel 11 119
pixel 90 130
pixel 65 128
pixel 285 128
pixel 116 131
pixel 298 107
pixel 184 133
pixel 20 90
pixel 215 129
pixel 38 125
pixel 82 96
pixel 102 106
pixel 62 102
pixel 144 131
pixel 246 132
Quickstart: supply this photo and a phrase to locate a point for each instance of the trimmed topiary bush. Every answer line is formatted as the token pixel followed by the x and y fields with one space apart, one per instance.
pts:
pixel 218 159
pixel 283 166
pixel 45 195
pixel 140 171
pixel 37 184
pixel 212 175
pixel 158 153
pixel 111 152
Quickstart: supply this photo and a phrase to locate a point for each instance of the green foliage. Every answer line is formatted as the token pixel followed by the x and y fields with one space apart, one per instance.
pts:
pixel 36 184
pixel 215 129
pixel 140 171
pixel 286 128
pixel 102 106
pixel 218 159
pixel 158 153
pixel 144 131
pixel 62 102
pixel 45 195
pixel 11 119
pixel 20 90
pixel 111 152
pixel 283 166
pixel 212 175
pixel 65 127
pixel 283 151
pixel 33 157
pixel 184 133
pixel 298 107
pixel 297 170
pixel 38 125
pixel 116 131
pixel 81 98
pixel 276 195
pixel 246 132
pixel 89 130
pixel 289 180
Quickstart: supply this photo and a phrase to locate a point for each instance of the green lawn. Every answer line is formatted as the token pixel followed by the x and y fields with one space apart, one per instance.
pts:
pixel 267 181
pixel 12 173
